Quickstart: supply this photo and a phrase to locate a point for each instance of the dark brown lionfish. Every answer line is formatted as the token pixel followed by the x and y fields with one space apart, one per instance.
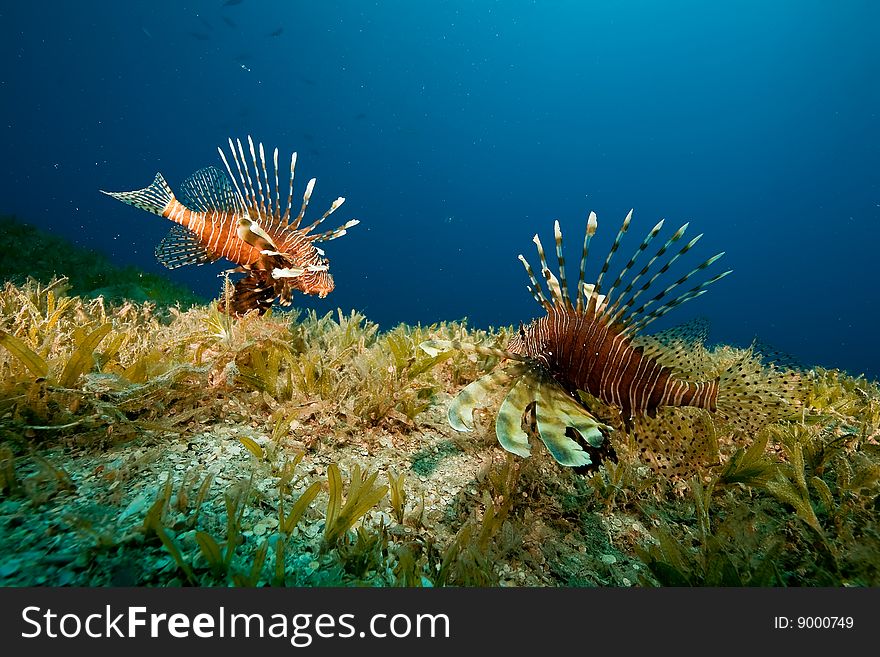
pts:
pixel 244 225
pixel 663 391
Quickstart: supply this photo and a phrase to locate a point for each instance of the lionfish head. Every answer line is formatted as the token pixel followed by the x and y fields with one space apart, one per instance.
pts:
pixel 317 278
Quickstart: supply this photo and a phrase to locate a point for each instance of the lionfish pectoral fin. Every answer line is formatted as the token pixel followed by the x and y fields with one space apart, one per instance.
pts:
pixel 556 412
pixel 249 293
pixel 336 232
pixel 508 422
pixel 475 395
pixel 551 431
pixel 182 247
pixel 250 232
pixel 154 198
pixel 287 272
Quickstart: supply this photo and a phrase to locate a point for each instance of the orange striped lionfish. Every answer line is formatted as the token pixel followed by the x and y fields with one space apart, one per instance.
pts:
pixel 587 359
pixel 214 220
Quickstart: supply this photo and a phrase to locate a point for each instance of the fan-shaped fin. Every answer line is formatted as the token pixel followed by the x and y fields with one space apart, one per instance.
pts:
pixel 509 421
pixel 182 247
pixel 555 412
pixel 208 190
pixel 677 442
pixel 477 394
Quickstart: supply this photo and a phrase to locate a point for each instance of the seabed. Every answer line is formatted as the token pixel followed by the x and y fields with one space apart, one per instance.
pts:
pixel 144 444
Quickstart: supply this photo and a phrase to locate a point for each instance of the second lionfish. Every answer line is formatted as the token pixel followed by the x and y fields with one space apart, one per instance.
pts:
pixel 216 218
pixel 584 371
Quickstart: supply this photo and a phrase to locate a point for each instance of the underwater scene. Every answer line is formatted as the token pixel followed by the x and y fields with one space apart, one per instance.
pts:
pixel 410 294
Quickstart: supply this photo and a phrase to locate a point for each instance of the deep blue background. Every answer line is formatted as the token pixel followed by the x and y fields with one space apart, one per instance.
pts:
pixel 458 130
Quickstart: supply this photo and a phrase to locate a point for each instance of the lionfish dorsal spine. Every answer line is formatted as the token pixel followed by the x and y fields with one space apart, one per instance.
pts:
pixel 644 270
pixel 286 219
pixel 242 202
pixel 264 210
pixel 551 280
pixel 557 236
pixel 640 318
pixel 629 265
pixel 592 224
pixel 535 288
pixel 328 235
pixel 693 293
pixel 626 221
pixel 307 195
pixel 623 315
pixel 333 208
pixel 277 189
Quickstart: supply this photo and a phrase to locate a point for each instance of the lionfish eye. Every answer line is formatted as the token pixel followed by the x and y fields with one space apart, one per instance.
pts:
pixel 522 331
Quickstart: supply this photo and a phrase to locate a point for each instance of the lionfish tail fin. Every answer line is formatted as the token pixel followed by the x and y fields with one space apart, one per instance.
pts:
pixel 751 395
pixel 156 198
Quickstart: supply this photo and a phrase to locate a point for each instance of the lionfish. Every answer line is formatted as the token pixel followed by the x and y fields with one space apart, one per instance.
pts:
pixel 245 226
pixel 587 358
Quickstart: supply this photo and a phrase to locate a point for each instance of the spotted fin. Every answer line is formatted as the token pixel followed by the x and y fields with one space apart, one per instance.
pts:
pixel 678 442
pixel 182 247
pixel 208 190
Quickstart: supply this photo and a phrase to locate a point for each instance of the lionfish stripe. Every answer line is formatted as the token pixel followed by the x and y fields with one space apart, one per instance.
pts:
pixel 592 224
pixel 557 235
pixel 613 250
pixel 156 198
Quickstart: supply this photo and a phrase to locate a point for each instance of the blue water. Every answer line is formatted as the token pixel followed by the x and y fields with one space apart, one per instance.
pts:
pixel 458 130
